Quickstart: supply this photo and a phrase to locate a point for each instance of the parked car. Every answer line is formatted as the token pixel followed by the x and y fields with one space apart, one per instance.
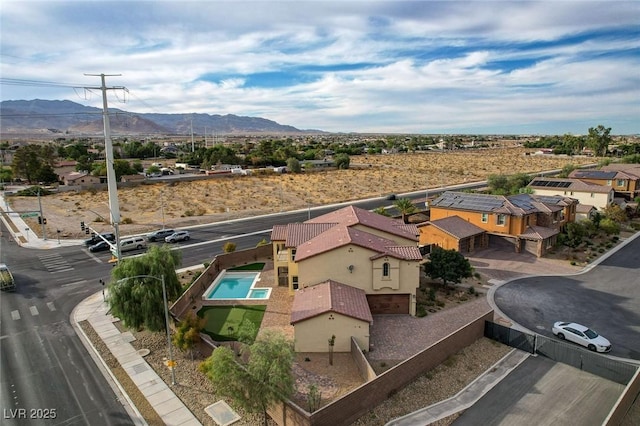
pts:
pixel 581 335
pixel 95 239
pixel 160 234
pixel 101 246
pixel 178 236
pixel 135 243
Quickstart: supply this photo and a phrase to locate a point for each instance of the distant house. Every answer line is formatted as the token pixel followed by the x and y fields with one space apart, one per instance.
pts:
pixel 318 164
pixel 80 179
pixel 585 212
pixel 529 222
pixel 623 178
pixel 330 309
pixel 599 196
pixel 132 178
pixel 354 247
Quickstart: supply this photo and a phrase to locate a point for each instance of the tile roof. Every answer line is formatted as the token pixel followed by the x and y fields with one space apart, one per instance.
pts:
pixel 352 215
pixel 457 227
pixel 341 235
pixel 593 174
pixel 538 233
pixel 575 185
pixel 330 296
pixel 584 208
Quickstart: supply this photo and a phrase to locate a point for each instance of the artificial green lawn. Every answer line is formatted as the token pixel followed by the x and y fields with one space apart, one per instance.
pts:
pixel 220 318
pixel 249 267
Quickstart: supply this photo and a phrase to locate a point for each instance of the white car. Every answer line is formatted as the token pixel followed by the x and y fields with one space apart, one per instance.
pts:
pixel 581 335
pixel 178 236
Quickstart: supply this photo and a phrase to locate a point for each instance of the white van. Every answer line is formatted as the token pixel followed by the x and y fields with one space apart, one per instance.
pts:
pixel 135 243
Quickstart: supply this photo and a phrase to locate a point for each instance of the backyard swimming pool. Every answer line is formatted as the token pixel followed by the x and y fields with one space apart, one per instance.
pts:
pixel 231 285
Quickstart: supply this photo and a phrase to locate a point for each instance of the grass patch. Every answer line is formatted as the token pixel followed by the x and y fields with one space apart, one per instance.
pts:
pixel 223 322
pixel 249 267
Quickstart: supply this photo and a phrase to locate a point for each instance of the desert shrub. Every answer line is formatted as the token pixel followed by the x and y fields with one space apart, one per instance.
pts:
pixel 472 290
pixel 229 247
pixel 440 303
pixel 573 263
pixel 98 219
pixel 432 294
pixel 188 213
pixel 127 221
pixel 476 275
pixel 421 311
pixel 201 212
pixel 609 226
pixel 600 250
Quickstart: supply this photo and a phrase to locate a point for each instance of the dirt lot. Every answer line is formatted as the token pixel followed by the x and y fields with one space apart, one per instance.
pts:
pixel 183 204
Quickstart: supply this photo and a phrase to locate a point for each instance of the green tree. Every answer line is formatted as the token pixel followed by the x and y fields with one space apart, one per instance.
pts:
pixel 447 265
pixel 615 213
pixel 35 163
pixel 382 211
pixel 138 302
pixel 566 170
pixel 498 184
pixel 342 161
pixel 293 165
pixel 574 234
pixel 405 207
pixel 266 379
pixel 599 139
pixel 188 333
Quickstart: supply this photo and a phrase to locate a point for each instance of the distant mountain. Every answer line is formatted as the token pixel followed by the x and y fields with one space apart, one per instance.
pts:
pixel 66 117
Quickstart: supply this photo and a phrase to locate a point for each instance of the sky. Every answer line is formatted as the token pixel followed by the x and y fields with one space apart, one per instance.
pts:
pixel 430 67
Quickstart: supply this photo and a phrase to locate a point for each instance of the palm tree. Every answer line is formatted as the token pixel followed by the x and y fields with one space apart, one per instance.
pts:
pixel 405 207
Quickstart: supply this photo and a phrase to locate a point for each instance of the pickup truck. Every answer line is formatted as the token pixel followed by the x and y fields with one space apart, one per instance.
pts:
pixel 6 279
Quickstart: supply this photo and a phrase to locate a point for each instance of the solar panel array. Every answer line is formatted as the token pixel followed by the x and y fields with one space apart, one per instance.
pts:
pixel 468 201
pixel 552 183
pixel 523 201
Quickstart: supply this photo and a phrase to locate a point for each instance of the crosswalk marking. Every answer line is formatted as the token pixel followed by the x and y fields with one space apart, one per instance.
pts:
pixel 34 311
pixel 15 315
pixel 55 263
pixel 51 307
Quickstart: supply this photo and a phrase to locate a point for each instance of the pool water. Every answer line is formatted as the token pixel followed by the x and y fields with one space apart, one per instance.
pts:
pixel 236 285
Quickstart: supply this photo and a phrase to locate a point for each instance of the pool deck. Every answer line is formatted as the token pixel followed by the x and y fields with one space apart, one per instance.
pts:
pixel 278 313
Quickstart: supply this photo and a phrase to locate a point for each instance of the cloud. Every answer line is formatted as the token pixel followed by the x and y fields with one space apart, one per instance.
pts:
pixel 395 66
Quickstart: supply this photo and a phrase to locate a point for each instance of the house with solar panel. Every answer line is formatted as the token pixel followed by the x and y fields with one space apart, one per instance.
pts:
pixel 351 247
pixel 587 193
pixel 624 179
pixel 468 222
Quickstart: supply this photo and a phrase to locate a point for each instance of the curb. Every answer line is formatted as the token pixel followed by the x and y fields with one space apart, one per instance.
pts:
pixel 123 397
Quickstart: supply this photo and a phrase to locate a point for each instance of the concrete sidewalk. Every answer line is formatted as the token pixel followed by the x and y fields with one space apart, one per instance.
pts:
pixel 168 406
pixel 466 397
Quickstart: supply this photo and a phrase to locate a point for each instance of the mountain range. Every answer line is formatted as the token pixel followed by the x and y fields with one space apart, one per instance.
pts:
pixel 70 118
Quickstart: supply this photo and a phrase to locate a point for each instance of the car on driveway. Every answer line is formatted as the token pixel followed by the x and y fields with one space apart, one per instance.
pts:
pixel 101 246
pixel 581 335
pixel 160 234
pixel 178 236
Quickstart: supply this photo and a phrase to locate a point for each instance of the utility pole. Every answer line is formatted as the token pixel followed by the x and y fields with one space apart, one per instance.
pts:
pixel 42 218
pixel 192 146
pixel 112 184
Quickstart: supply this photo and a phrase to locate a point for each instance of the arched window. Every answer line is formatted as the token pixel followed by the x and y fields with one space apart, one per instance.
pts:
pixel 385 269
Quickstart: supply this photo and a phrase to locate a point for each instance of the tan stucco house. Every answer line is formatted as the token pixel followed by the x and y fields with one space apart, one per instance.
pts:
pixel 588 193
pixel 624 179
pixel 355 247
pixel 330 309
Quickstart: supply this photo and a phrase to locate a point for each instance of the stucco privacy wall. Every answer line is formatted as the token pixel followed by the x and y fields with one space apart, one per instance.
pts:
pixel 361 400
pixel 222 261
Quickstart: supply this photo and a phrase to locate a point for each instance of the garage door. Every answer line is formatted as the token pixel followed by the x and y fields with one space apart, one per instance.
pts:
pixel 388 303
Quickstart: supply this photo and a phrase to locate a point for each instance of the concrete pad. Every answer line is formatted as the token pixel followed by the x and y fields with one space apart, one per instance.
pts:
pixel 167 406
pixel 142 378
pixel 162 397
pixel 177 417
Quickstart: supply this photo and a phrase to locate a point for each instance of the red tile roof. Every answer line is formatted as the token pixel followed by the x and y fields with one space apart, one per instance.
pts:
pixel 352 215
pixel 538 233
pixel 330 296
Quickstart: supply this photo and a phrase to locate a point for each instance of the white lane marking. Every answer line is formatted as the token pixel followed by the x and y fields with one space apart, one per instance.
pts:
pixel 73 283
pixel 34 311
pixel 15 315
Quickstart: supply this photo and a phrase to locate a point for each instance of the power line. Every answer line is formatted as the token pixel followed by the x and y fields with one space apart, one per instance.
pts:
pixel 22 82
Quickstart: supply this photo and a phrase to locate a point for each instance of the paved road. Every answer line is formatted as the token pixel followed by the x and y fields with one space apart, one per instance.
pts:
pixel 606 298
pixel 544 392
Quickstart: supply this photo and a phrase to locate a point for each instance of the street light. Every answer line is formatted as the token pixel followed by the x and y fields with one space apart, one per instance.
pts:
pixel 166 318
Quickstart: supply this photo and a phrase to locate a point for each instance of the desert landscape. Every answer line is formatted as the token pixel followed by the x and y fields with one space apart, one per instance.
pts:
pixel 183 204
